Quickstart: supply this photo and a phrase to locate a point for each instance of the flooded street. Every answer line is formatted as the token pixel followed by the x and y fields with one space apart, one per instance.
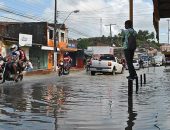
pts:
pixel 83 102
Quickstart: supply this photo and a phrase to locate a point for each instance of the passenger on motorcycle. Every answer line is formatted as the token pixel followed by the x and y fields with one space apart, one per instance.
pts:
pixel 22 60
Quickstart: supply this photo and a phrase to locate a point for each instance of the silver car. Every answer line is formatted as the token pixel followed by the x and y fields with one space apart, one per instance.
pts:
pixel 135 64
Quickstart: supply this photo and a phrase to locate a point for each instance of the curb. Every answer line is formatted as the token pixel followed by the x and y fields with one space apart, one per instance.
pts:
pixel 47 71
pixel 38 72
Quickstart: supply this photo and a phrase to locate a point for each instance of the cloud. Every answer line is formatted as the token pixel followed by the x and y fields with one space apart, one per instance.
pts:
pixel 94 15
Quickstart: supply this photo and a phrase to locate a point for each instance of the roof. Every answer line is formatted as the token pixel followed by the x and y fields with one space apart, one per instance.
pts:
pixel 164 8
pixel 161 10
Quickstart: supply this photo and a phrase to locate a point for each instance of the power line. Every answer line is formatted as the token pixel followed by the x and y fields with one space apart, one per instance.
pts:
pixel 110 32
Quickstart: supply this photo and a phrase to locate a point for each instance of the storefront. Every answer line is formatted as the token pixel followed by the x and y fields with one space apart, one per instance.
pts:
pixel 38 57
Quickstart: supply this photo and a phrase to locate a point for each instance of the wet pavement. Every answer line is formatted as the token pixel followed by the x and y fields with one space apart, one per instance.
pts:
pixel 82 102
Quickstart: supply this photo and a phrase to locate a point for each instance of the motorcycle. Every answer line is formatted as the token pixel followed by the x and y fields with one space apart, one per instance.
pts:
pixel 64 68
pixel 8 74
pixel 1 68
pixel 88 63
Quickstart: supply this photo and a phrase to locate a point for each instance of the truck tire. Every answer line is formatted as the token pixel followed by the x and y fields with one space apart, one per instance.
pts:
pixel 92 73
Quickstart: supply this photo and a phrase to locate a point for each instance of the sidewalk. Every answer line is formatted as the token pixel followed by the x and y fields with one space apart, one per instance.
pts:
pixel 47 71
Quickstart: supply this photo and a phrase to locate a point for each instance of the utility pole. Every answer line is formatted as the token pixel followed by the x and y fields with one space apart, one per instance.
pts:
pixel 101 27
pixel 131 10
pixel 168 31
pixel 55 38
pixel 110 32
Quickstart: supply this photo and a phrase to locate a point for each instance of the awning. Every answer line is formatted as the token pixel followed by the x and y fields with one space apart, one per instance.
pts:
pixel 161 10
pixel 69 49
pixel 48 48
pixel 64 47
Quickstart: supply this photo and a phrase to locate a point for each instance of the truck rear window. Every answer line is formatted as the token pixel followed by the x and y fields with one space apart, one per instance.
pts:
pixel 107 58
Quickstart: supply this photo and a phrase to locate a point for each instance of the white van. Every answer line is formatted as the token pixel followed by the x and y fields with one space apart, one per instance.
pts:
pixel 158 60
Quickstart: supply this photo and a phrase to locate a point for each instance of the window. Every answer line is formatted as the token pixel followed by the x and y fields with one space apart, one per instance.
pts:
pixel 107 57
pixel 62 37
pixel 135 61
pixel 51 33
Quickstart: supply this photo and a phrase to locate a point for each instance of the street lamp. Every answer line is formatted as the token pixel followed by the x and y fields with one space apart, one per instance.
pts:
pixel 75 11
pixel 56 41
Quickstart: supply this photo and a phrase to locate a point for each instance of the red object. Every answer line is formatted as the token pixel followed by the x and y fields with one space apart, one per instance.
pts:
pixel 67 59
pixel 22 55
pixel 80 63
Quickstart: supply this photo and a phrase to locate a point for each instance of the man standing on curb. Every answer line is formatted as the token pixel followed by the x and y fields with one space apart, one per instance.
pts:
pixel 129 45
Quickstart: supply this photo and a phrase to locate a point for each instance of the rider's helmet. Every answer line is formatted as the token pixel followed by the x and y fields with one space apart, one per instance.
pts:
pixel 66 54
pixel 14 48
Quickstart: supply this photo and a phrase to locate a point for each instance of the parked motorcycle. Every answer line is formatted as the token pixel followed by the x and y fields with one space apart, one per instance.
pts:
pixel 64 68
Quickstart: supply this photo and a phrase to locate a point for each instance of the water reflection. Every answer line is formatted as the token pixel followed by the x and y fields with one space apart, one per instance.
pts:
pixel 132 114
pixel 13 98
pixel 56 97
pixel 92 103
pixel 23 106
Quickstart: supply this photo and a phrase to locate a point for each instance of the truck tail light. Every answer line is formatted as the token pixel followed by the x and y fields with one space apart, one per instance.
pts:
pixel 109 63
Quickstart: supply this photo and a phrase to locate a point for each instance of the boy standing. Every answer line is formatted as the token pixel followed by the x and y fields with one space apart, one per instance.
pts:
pixel 129 45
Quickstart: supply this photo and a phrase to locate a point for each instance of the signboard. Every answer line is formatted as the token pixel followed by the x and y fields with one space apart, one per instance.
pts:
pixel 25 40
pixel 48 48
pixel 72 45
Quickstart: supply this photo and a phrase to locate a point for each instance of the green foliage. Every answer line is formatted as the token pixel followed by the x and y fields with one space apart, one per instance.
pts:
pixel 144 40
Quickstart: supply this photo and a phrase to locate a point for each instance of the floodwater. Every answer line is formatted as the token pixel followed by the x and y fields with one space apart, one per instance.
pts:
pixel 83 102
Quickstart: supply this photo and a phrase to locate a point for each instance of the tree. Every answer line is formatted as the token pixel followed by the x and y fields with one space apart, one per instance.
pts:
pixel 144 39
pixel 82 43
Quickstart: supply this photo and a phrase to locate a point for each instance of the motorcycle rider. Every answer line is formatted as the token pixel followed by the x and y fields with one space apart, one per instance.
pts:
pixel 12 60
pixel 67 60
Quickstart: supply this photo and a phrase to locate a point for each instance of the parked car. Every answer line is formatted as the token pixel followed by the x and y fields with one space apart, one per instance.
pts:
pixel 107 63
pixel 135 64
pixel 158 60
pixel 146 60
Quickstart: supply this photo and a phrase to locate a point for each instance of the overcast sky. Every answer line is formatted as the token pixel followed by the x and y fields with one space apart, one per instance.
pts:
pixel 93 18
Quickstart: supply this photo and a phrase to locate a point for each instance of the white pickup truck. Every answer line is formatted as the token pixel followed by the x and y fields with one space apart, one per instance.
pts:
pixel 106 64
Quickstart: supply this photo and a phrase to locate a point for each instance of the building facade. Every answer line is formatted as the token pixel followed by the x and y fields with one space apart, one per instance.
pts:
pixel 41 53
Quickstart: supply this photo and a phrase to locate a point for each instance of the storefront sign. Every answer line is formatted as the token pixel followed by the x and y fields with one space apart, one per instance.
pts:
pixel 48 48
pixel 72 45
pixel 25 40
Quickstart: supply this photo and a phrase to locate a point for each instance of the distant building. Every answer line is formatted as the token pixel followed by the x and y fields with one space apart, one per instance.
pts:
pixel 165 49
